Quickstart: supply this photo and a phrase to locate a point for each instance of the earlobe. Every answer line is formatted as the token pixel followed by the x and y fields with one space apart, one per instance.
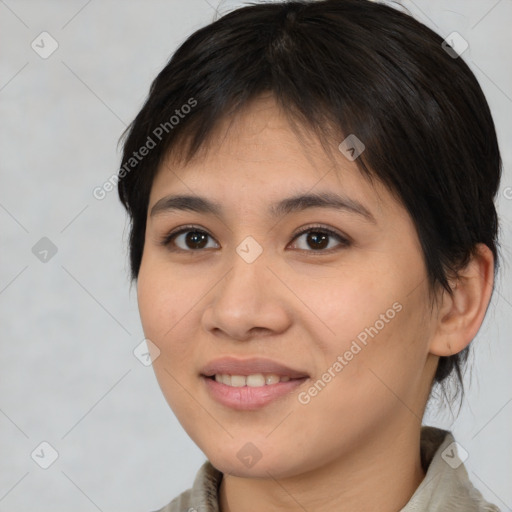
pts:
pixel 461 314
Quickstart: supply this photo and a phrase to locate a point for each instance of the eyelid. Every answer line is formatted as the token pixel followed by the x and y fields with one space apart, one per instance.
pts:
pixel 321 227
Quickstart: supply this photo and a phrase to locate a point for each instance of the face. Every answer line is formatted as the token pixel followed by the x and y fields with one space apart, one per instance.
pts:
pixel 319 311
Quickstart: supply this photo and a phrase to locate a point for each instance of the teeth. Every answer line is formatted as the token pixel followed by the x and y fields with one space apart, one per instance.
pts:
pixel 272 379
pixel 255 380
pixel 237 381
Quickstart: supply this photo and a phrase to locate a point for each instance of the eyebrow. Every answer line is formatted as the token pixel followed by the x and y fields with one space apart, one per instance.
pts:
pixel 283 207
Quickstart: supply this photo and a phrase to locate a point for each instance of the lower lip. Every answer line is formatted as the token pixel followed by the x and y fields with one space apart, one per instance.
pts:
pixel 247 398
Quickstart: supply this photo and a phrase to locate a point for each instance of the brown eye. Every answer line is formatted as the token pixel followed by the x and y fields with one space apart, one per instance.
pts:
pixel 195 239
pixel 319 239
pixel 187 239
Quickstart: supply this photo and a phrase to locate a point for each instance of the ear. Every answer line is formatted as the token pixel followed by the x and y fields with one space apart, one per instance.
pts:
pixel 461 315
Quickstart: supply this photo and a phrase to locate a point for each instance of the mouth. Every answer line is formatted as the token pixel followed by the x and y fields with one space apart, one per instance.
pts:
pixel 251 383
pixel 234 367
pixel 255 380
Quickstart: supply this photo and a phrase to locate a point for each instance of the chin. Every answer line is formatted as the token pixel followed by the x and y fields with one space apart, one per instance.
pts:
pixel 246 462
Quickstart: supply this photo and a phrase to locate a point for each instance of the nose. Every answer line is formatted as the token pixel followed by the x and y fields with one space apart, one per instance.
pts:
pixel 249 301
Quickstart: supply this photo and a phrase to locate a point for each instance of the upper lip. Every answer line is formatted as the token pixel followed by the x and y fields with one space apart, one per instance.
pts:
pixel 234 366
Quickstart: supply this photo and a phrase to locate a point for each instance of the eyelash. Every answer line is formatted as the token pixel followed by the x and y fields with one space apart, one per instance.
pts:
pixel 344 242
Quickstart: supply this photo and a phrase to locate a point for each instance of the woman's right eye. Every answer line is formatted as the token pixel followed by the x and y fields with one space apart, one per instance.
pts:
pixel 187 239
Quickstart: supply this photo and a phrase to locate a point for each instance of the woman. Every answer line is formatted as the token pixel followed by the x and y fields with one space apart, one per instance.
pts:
pixel 310 187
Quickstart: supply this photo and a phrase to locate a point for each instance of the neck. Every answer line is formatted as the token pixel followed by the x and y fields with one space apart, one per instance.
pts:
pixel 379 475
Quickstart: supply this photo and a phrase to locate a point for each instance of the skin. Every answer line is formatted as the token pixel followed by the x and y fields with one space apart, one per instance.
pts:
pixel 301 307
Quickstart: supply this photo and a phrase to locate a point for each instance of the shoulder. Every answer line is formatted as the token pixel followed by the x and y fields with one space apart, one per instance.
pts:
pixel 202 496
pixel 446 486
pixel 181 503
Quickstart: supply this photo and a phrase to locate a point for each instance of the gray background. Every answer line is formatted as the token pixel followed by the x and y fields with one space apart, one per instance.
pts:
pixel 69 325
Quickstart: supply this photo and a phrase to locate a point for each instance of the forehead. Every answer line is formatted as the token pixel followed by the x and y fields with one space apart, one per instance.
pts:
pixel 258 155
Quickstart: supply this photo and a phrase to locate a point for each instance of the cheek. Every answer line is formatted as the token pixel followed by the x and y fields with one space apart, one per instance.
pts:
pixel 382 364
pixel 165 302
pixel 166 296
pixel 376 325
pixel 353 306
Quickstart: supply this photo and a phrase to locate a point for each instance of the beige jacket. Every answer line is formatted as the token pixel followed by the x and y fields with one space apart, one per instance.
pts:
pixel 445 488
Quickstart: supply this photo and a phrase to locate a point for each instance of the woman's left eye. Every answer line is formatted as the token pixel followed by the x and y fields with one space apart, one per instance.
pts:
pixel 193 239
pixel 318 238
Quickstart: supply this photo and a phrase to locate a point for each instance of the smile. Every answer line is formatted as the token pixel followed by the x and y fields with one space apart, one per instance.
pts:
pixel 255 380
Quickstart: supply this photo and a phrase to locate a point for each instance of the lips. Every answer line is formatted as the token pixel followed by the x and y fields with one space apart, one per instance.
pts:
pixel 245 367
pixel 250 384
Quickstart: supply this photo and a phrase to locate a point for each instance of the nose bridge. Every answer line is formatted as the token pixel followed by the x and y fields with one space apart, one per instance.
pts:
pixel 246 298
pixel 243 285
